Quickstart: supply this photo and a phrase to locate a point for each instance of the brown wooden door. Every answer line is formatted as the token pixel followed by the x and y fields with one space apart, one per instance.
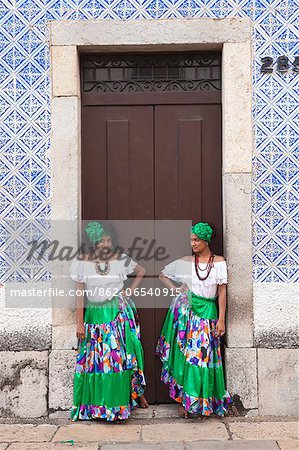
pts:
pixel 152 162
pixel 118 184
pixel 187 178
pixel 151 149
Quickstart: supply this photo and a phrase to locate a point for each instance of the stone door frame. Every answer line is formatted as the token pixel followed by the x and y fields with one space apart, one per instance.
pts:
pixel 233 37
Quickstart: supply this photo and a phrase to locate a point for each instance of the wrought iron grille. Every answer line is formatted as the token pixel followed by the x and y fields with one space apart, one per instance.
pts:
pixel 160 72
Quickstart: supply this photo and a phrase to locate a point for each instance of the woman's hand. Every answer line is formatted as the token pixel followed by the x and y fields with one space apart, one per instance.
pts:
pixel 80 331
pixel 220 328
pixel 183 288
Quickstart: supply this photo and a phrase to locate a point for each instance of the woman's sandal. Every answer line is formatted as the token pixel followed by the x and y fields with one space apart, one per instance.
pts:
pixel 182 412
pixel 143 402
pixel 185 414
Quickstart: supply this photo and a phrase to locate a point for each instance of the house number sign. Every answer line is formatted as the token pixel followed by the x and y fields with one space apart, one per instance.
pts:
pixel 283 64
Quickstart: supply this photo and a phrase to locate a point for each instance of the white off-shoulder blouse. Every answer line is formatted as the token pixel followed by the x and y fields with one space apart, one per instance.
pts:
pixel 102 287
pixel 183 271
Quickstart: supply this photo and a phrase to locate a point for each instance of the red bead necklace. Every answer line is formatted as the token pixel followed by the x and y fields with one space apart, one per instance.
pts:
pixel 208 267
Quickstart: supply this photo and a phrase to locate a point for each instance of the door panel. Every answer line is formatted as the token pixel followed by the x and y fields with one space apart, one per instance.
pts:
pixel 117 162
pixel 188 162
pixel 187 177
pixel 118 174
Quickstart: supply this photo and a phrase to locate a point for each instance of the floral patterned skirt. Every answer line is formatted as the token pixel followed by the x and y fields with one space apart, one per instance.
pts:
pixel 109 373
pixel 191 357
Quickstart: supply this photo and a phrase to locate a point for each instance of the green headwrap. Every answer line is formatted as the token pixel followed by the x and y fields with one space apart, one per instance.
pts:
pixel 94 231
pixel 203 231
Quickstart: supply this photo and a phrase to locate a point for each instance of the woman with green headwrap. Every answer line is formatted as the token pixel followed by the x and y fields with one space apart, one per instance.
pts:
pixel 189 345
pixel 109 377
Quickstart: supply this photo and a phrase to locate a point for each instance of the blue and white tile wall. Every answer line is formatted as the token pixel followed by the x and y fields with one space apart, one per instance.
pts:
pixel 25 120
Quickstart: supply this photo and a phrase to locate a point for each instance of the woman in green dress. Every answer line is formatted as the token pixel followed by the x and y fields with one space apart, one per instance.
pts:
pixel 109 376
pixel 189 345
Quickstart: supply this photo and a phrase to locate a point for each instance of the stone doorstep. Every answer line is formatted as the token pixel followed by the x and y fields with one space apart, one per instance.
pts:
pixel 152 412
pixel 169 411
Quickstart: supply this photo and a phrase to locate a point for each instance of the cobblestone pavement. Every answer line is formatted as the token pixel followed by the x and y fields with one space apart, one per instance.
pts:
pixel 155 428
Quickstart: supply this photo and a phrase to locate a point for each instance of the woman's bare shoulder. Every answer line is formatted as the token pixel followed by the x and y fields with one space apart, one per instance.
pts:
pixel 218 258
pixel 187 258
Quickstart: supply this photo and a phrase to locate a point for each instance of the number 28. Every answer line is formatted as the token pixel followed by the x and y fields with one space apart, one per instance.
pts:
pixel 283 64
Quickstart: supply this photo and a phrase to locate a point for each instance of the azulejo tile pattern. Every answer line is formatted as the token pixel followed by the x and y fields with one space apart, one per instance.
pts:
pixel 25 122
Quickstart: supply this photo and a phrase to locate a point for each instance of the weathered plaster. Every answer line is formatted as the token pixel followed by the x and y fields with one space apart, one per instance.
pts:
pixel 23 384
pixel 278 380
pixel 25 321
pixel 62 364
pixel 240 368
pixel 276 315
